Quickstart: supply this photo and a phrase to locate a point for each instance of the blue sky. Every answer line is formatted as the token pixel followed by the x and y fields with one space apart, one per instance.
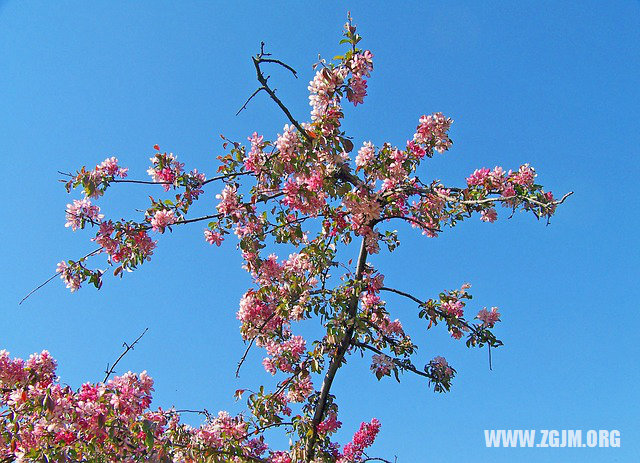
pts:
pixel 554 84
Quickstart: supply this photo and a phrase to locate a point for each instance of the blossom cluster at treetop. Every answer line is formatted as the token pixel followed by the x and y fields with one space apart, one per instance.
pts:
pixel 312 191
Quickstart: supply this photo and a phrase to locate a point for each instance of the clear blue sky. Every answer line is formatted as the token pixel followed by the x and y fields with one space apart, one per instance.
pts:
pixel 554 84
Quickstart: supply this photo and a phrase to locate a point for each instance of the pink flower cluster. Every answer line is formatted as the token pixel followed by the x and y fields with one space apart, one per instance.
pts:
pixel 330 424
pixel 95 182
pixel 212 237
pixel 128 245
pixel 304 192
pixel 109 168
pixel 365 154
pixel 322 89
pixel 69 276
pixel 284 355
pixel 287 144
pixel 514 188
pixel 363 208
pixel 382 365
pixel 354 451
pixel 222 428
pixel 255 314
pixel 254 160
pixel 165 168
pixel 46 421
pixel 432 132
pixel 162 219
pixel 453 307
pixel 229 202
pixel 361 66
pixel 300 388
pixel 489 318
pixel 81 211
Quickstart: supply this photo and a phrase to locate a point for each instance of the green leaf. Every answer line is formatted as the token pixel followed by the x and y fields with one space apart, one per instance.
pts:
pixel 148 440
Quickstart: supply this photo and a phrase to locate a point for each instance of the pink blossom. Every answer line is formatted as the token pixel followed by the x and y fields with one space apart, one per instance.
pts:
pixel 269 365
pixel 362 439
pixel 453 307
pixel 478 177
pixel 300 389
pixel 162 219
pixel 551 208
pixel 381 364
pixel 82 211
pixel 358 90
pixel 415 149
pixel 213 237
pixel 432 131
pixel 71 278
pixel 287 143
pixel 280 457
pixel 322 89
pixel 109 168
pixel 508 192
pixel 298 198
pixel 489 215
pixel 330 424
pixel 365 154
pixel 362 63
pixel 525 176
pixel 254 159
pixel 497 178
pixel 489 318
pixel 229 202
pixel 284 354
pixel 165 169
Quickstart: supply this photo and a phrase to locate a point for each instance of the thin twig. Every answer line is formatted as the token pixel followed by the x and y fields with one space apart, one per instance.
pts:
pixel 368 458
pixel 490 366
pixel 127 347
pixel 337 359
pixel 244 106
pixel 402 293
pixel 246 351
pixel 152 182
pixel 37 288
pixel 403 364
pixel 55 275
pixel 259 59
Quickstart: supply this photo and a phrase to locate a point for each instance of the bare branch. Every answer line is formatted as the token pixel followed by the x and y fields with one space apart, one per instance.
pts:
pixel 55 275
pixel 246 351
pixel 257 61
pixel 337 359
pixel 403 364
pixel 127 347
pixel 368 458
pixel 402 293
pixel 410 220
pixel 38 287
pixel 244 106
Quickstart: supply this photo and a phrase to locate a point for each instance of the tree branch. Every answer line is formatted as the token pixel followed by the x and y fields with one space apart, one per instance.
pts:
pixel 55 275
pixel 127 347
pixel 246 351
pixel 337 359
pixel 244 106
pixel 403 364
pixel 257 61
pixel 402 293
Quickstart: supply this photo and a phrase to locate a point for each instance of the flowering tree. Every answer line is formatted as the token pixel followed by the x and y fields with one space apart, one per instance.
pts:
pixel 301 192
